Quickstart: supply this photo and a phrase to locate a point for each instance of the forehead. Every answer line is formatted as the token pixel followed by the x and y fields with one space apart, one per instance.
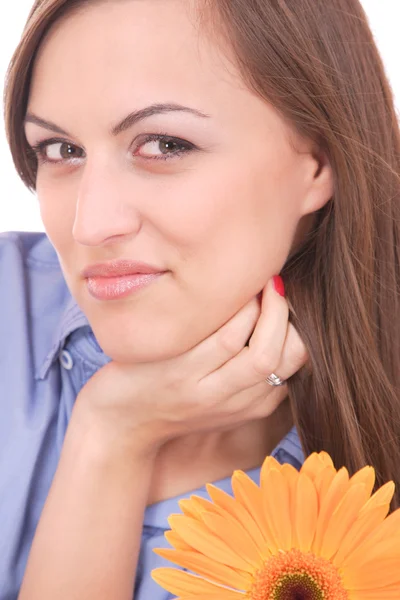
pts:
pixel 99 63
pixel 143 47
pixel 111 57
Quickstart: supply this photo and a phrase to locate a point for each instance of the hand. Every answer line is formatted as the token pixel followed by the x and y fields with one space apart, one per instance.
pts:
pixel 218 384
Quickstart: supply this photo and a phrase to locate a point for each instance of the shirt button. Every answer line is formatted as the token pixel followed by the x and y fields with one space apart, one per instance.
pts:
pixel 66 360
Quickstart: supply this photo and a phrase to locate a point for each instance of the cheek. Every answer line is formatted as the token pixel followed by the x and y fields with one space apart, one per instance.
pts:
pixel 224 231
pixel 56 211
pixel 232 232
pixel 234 225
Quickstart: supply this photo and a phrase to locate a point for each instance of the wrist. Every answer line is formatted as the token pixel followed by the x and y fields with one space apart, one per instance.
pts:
pixel 109 438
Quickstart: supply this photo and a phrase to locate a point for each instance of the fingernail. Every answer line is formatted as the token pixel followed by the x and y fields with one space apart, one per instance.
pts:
pixel 279 285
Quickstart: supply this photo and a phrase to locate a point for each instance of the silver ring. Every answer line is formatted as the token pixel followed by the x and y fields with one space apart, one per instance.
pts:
pixel 275 380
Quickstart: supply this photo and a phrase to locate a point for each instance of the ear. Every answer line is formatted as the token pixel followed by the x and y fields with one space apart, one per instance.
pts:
pixel 321 185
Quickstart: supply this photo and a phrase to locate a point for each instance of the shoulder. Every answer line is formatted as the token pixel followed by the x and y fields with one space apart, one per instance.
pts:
pixel 31 300
pixel 26 249
pixel 33 297
pixel 29 263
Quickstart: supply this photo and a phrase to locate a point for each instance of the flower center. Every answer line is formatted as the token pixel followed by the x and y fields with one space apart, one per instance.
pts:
pixel 297 586
pixel 296 575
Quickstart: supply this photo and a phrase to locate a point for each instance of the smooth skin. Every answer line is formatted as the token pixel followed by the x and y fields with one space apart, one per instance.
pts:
pixel 87 542
pixel 184 400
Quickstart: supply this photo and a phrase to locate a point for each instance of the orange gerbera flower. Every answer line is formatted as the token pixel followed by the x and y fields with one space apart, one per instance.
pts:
pixel 317 534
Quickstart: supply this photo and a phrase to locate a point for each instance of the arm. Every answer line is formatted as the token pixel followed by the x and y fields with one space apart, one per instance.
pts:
pixel 88 538
pixel 87 541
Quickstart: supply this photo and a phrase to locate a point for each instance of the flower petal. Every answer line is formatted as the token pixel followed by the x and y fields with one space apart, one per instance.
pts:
pixel 371 515
pixel 233 596
pixel 184 584
pixel 326 459
pixel 227 505
pixel 370 576
pixel 386 549
pixel 365 476
pixel 313 465
pixel 385 532
pixel 269 463
pixel 390 593
pixel 250 496
pixel 276 501
pixel 235 536
pixel 383 496
pixel 202 505
pixel 358 532
pixel 292 475
pixel 176 541
pixel 208 568
pixel 189 508
pixel 306 512
pixel 343 517
pixel 198 537
pixel 334 494
pixel 323 482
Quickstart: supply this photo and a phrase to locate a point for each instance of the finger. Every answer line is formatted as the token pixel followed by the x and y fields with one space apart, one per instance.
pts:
pixel 269 335
pixel 257 402
pixel 263 355
pixel 225 343
pixel 294 357
pixel 294 354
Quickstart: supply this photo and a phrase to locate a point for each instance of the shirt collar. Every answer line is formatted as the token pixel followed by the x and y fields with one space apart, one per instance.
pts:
pixel 71 319
pixel 43 260
pixel 288 450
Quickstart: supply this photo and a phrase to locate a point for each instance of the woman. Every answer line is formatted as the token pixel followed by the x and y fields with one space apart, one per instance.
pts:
pixel 222 142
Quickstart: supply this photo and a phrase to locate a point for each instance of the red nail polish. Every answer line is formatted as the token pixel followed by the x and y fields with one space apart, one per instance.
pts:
pixel 279 285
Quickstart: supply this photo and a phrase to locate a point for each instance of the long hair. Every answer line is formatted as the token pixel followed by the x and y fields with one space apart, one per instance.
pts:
pixel 318 64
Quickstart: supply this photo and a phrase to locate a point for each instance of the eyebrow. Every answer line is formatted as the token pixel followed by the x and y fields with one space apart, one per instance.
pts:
pixel 127 122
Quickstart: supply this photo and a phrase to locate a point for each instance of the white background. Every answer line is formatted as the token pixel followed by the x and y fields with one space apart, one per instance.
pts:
pixel 19 208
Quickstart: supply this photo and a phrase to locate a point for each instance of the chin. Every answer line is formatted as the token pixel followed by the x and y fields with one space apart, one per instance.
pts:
pixel 139 348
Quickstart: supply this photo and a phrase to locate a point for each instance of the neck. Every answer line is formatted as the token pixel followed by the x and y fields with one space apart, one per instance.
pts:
pixel 189 462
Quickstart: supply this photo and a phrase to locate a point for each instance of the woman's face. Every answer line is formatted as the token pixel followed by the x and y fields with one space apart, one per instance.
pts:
pixel 219 209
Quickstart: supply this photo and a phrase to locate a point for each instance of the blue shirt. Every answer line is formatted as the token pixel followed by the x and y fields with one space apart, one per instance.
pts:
pixel 47 353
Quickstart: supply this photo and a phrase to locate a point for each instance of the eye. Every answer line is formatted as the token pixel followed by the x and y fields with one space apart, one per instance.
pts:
pixel 63 150
pixel 150 147
pixel 57 151
pixel 162 147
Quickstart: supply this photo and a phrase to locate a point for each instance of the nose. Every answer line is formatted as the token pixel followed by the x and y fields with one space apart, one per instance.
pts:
pixel 105 208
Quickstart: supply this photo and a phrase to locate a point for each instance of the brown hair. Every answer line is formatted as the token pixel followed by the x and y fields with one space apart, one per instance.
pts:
pixel 317 63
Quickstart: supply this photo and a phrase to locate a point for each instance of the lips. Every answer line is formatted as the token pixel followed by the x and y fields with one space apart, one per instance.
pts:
pixel 120 268
pixel 113 288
